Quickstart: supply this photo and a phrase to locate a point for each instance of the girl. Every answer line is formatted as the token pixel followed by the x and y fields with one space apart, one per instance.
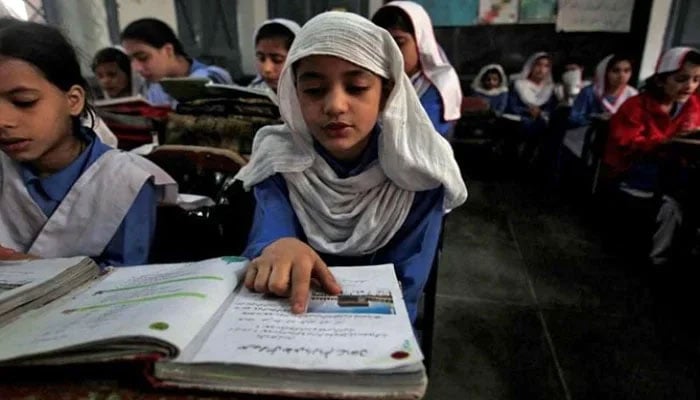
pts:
pixel 533 94
pixel 272 42
pixel 634 152
pixel 112 69
pixel 607 93
pixel 356 175
pixel 156 53
pixel 491 84
pixel 432 76
pixel 63 192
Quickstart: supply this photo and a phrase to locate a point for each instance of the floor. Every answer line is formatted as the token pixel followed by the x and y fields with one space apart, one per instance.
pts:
pixel 532 304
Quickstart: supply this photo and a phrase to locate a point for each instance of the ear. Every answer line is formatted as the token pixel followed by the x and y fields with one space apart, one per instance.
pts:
pixel 76 100
pixel 168 49
pixel 387 87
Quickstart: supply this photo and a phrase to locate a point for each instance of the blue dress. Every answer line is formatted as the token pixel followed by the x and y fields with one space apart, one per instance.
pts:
pixel 411 250
pixel 530 127
pixel 131 243
pixel 497 102
pixel 156 95
pixel 432 104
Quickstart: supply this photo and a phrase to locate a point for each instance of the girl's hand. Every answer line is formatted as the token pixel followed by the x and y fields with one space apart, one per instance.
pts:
pixel 535 112
pixel 7 254
pixel 285 268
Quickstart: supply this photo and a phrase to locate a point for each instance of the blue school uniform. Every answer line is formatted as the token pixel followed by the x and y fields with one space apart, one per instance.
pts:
pixel 497 102
pixel 156 95
pixel 586 103
pixel 411 250
pixel 432 104
pixel 131 243
pixel 530 126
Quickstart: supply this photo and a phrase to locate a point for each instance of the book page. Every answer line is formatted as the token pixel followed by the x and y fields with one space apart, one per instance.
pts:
pixel 17 276
pixel 170 302
pixel 365 328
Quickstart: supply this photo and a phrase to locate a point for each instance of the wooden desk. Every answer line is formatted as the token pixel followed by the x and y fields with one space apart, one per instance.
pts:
pixel 114 381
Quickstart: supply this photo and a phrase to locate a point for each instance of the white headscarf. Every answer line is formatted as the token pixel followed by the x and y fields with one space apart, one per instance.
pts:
pixel 435 66
pixel 479 88
pixel 672 59
pixel 259 82
pixel 530 93
pixel 358 214
pixel 599 87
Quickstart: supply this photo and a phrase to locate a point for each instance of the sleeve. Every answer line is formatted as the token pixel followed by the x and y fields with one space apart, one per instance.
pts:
pixel 413 248
pixel 500 102
pixel 274 217
pixel 432 104
pixel 629 132
pixel 216 74
pixel 132 242
pixel 581 109
pixel 516 106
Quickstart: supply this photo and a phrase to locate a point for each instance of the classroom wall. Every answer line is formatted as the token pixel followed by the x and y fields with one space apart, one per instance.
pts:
pixel 251 13
pixel 655 38
pixel 131 10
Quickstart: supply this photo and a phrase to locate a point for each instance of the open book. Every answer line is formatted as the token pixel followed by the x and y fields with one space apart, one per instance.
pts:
pixel 29 284
pixel 207 331
pixel 184 89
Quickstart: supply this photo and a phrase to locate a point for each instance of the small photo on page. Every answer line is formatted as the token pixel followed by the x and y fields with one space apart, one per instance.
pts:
pixel 354 302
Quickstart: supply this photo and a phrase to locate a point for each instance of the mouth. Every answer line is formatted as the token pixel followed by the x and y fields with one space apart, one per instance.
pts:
pixel 12 145
pixel 336 129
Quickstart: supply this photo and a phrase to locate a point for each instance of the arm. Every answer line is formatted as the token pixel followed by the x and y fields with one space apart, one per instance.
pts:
pixel 415 244
pixel 131 244
pixel 630 133
pixel 281 262
pixel 432 104
pixel 581 109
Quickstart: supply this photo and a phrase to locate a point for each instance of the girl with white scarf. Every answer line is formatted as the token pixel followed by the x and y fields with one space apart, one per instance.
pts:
pixel 607 93
pixel 533 94
pixel 432 76
pixel 491 84
pixel 356 175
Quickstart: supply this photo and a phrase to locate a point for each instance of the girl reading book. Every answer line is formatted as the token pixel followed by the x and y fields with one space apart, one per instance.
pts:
pixel 156 53
pixel 273 38
pixel 356 175
pixel 64 192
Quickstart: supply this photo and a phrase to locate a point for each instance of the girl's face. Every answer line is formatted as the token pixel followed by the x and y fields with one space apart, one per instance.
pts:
pixel 35 115
pixel 540 70
pixel 491 80
pixel 619 74
pixel 112 79
pixel 340 103
pixel 409 49
pixel 271 54
pixel 683 83
pixel 152 63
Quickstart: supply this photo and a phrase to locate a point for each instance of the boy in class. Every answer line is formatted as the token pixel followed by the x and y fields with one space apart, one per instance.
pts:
pixel 64 192
pixel 156 53
pixel 273 38
pixel 434 79
pixel 355 176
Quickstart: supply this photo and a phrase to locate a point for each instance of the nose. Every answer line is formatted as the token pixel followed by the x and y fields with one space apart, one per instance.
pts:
pixel 335 101
pixel 267 67
pixel 137 66
pixel 8 118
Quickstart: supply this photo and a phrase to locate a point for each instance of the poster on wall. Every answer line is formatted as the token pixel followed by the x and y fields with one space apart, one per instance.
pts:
pixel 498 11
pixel 537 11
pixel 594 15
pixel 451 13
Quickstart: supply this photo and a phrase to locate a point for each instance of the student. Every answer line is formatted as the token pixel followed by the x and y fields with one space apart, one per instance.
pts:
pixel 63 192
pixel 433 78
pixel 273 38
pixel 608 92
pixel 491 84
pixel 533 93
pixel 112 68
pixel 156 53
pixel 634 153
pixel 356 175
pixel 572 83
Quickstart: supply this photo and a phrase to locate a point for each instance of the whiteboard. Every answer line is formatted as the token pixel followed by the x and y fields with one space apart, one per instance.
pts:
pixel 594 15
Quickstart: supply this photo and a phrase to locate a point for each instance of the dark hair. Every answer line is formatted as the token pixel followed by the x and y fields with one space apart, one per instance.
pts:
pixel 49 51
pixel 393 18
pixel 274 31
pixel 616 59
pixel 112 55
pixel 654 84
pixel 153 32
pixel 489 72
